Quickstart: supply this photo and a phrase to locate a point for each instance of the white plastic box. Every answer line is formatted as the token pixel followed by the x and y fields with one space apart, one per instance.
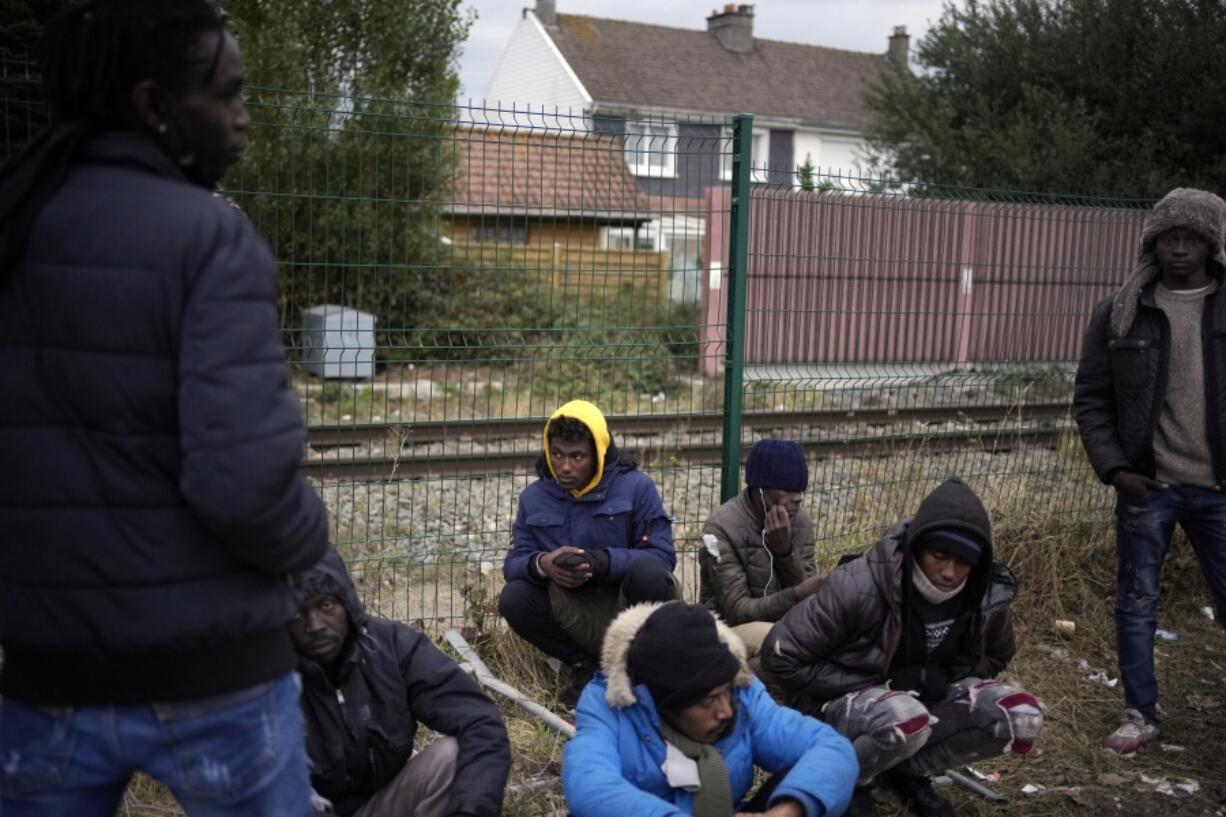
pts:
pixel 338 342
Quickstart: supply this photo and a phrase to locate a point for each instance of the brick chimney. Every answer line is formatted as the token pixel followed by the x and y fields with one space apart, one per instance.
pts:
pixel 900 45
pixel 547 12
pixel 733 27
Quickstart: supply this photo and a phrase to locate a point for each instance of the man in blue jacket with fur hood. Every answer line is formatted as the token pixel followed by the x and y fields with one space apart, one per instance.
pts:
pixel 591 538
pixel 676 723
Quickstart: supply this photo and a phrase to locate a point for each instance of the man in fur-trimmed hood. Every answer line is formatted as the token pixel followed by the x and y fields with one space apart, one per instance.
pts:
pixel 675 722
pixel 1150 402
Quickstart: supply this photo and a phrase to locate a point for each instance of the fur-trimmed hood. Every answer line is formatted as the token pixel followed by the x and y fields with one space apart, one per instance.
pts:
pixel 1200 211
pixel 616 648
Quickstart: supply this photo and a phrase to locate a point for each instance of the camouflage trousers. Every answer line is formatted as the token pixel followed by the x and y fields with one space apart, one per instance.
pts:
pixel 978 719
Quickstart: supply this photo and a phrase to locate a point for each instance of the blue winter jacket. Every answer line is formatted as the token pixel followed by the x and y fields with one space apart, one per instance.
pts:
pixel 151 500
pixel 612 766
pixel 623 514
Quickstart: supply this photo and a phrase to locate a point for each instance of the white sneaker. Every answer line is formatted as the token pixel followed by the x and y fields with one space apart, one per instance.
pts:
pixel 1133 733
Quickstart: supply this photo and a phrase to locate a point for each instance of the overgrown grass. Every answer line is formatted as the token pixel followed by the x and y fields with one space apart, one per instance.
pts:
pixel 1057 536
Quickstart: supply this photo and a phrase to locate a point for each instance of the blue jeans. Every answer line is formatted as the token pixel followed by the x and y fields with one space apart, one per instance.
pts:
pixel 1143 535
pixel 241 753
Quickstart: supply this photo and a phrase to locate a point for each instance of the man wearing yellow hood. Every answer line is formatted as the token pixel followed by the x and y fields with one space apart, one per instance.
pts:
pixel 590 538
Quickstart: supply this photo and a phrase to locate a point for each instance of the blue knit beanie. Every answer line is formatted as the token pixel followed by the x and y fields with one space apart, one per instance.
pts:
pixel 961 544
pixel 776 465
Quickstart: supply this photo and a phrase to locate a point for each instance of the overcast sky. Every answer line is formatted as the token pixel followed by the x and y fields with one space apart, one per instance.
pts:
pixel 858 25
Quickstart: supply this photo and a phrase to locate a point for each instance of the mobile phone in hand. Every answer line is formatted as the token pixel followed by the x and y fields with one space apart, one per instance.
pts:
pixel 569 561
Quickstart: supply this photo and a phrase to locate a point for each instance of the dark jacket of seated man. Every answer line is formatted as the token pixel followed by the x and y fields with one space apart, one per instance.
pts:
pixel 367 682
pixel 925 611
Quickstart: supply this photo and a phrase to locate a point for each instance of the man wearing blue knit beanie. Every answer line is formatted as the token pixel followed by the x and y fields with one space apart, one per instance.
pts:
pixel 757 558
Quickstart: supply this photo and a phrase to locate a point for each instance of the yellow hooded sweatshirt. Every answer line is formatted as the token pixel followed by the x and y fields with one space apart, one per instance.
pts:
pixel 590 416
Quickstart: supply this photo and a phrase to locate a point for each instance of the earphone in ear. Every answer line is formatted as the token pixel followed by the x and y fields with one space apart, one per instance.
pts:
pixel 769 555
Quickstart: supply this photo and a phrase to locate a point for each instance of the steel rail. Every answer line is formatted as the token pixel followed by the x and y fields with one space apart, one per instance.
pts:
pixel 410 465
pixel 420 433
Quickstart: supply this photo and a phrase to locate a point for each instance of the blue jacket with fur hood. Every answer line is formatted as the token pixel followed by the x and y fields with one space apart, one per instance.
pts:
pixel 612 766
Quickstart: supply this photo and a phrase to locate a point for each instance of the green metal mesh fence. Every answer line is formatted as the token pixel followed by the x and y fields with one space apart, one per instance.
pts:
pixel 514 259
pixel 917 332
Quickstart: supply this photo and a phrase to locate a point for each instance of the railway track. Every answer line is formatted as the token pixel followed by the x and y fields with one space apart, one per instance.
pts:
pixel 407 447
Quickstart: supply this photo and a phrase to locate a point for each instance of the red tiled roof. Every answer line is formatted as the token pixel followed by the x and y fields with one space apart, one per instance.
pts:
pixel 635 65
pixel 534 172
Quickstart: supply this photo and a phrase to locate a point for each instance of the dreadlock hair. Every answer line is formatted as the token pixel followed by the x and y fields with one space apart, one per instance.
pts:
pixel 98 50
pixel 94 54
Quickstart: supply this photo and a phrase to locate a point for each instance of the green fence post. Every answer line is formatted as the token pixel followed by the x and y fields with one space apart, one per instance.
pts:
pixel 738 256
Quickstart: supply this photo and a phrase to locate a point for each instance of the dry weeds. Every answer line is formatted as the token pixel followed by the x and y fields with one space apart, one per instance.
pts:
pixel 1062 551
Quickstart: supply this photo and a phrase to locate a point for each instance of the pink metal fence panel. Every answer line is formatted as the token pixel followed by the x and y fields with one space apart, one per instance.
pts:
pixel 850 278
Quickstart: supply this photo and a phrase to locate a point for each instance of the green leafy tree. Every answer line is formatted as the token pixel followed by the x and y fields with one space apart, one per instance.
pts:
pixel 22 23
pixel 352 146
pixel 1112 97
pixel 804 174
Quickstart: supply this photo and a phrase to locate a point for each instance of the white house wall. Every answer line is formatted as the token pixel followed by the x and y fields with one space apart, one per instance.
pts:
pixel 829 152
pixel 532 74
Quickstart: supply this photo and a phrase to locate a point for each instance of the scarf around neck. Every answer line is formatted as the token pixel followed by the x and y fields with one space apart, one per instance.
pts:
pixel 928 591
pixel 713 797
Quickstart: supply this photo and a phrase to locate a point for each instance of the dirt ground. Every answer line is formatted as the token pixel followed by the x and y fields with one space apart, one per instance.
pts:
pixel 1067 574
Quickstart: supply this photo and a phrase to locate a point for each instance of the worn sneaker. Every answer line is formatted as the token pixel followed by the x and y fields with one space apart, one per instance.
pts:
pixel 917 794
pixel 1133 733
pixel 580 674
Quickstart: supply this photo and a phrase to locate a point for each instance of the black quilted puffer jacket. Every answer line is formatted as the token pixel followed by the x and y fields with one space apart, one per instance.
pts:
pixel 845 636
pixel 1122 379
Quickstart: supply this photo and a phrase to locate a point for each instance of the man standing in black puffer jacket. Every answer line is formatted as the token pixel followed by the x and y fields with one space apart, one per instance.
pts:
pixel 1150 402
pixel 151 499
pixel 366 682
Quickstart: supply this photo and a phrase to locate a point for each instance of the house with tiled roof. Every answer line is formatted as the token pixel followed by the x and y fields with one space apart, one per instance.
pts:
pixel 548 200
pixel 520 187
pixel 634 78
pixel 668 93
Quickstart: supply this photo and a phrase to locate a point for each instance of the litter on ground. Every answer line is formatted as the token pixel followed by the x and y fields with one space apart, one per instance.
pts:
pixel 987 777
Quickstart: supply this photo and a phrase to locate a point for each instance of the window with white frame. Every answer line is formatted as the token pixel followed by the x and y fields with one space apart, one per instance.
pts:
pixel 651 149
pixel 759 153
pixel 626 238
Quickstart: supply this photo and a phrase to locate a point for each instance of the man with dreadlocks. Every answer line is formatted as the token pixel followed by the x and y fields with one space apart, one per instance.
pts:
pixel 1150 403
pixel 150 497
pixel 591 537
